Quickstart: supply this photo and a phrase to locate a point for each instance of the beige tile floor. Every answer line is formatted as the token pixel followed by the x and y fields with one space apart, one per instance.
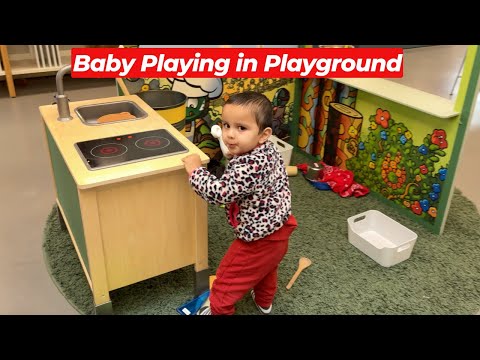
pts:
pixel 26 188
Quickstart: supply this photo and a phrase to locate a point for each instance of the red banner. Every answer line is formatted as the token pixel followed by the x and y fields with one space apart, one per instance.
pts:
pixel 237 62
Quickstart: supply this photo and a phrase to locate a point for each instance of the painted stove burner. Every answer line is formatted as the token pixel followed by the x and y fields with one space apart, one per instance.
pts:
pixel 128 148
pixel 108 150
pixel 152 143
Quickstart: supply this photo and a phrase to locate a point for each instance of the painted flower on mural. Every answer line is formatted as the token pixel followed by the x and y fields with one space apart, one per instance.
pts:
pixel 416 208
pixel 352 131
pixel 442 174
pixel 439 137
pixel 399 168
pixel 422 149
pixel 382 118
pixel 433 195
pixel 392 174
pixel 432 212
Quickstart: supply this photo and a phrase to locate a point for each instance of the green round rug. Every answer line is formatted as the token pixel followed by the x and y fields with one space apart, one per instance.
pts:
pixel 440 277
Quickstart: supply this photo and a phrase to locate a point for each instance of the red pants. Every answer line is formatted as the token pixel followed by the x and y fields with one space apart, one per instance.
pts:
pixel 250 265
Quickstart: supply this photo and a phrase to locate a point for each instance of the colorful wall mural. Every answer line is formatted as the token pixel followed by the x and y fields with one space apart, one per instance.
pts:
pixel 397 152
pixel 313 124
pixel 403 154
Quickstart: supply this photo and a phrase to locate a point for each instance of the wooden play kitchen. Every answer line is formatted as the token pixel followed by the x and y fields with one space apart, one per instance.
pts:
pixel 123 194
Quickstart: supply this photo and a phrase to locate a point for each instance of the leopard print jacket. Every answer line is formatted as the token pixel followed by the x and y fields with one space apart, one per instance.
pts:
pixel 254 189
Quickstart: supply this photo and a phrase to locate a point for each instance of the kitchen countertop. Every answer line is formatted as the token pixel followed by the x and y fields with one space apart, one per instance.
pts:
pixel 67 133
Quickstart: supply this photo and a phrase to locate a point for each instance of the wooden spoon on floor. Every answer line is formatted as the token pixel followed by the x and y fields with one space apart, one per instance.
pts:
pixel 302 264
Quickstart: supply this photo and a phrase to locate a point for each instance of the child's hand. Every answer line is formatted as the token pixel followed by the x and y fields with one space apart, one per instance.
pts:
pixel 191 162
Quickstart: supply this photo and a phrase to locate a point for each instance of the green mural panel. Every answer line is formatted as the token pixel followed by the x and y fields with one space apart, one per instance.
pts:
pixel 404 155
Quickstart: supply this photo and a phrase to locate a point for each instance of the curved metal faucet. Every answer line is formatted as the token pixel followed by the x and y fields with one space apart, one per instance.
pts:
pixel 62 100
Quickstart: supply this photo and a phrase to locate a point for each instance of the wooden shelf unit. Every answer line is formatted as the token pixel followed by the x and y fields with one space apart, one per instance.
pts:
pixel 6 71
pixel 404 95
pixel 32 61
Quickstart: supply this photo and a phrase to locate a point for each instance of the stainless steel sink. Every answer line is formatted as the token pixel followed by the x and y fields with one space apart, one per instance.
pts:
pixel 89 114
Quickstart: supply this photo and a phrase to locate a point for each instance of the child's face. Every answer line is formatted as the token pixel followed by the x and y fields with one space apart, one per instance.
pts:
pixel 240 130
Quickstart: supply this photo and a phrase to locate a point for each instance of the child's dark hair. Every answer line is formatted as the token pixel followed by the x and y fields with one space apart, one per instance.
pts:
pixel 258 103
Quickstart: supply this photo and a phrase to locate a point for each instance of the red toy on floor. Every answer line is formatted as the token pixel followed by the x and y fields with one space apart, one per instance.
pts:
pixel 339 180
